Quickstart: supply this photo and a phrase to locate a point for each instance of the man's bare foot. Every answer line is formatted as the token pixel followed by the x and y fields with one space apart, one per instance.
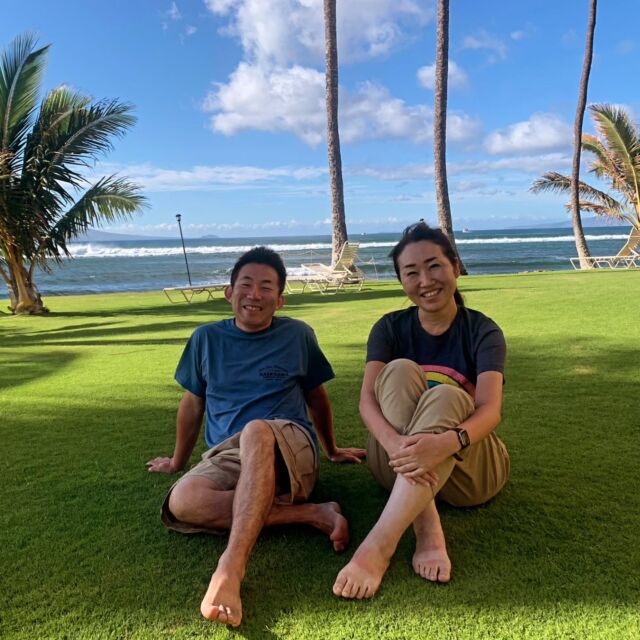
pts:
pixel 430 559
pixel 361 578
pixel 221 602
pixel 331 521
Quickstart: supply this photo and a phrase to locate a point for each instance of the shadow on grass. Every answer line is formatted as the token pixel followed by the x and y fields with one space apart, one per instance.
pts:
pixel 104 334
pixel 82 533
pixel 19 367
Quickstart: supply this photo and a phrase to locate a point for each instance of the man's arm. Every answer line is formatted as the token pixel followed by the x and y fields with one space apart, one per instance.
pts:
pixel 322 418
pixel 188 423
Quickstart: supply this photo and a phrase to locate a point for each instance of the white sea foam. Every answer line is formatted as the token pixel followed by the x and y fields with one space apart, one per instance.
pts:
pixel 107 250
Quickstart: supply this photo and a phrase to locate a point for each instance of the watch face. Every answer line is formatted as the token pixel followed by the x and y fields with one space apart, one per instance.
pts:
pixel 463 436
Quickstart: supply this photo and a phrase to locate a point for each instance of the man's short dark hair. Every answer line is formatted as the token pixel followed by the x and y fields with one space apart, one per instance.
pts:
pixel 261 255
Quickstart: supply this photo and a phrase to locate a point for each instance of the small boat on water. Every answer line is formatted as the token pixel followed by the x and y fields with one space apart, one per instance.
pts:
pixel 465 230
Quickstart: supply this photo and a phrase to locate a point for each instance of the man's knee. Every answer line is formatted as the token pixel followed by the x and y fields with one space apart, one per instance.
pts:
pixel 257 434
pixel 187 497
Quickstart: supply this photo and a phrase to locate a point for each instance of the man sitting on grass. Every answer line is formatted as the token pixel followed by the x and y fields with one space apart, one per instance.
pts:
pixel 254 375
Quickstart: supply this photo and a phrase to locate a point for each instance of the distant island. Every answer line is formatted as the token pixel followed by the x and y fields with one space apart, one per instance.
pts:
pixel 95 235
pixel 594 221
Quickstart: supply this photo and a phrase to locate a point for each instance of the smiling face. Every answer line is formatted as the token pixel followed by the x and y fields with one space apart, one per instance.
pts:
pixel 254 297
pixel 429 278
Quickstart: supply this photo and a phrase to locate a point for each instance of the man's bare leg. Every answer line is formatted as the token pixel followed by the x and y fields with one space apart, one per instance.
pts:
pixel 361 578
pixel 251 504
pixel 198 502
pixel 246 511
pixel 430 559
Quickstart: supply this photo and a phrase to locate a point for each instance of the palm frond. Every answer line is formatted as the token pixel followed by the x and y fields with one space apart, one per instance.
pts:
pixel 89 132
pixel 109 200
pixel 558 183
pixel 605 167
pixel 621 138
pixel 603 211
pixel 21 70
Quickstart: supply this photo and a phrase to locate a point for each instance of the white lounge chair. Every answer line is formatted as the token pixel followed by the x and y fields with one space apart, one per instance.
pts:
pixel 188 293
pixel 627 258
pixel 331 279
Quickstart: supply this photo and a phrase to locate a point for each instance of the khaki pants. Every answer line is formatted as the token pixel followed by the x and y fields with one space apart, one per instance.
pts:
pixel 297 469
pixel 411 408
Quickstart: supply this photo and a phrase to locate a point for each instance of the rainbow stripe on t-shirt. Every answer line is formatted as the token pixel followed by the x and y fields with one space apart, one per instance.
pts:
pixel 435 375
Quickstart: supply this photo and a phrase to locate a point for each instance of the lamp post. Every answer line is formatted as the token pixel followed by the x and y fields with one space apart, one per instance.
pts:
pixel 178 218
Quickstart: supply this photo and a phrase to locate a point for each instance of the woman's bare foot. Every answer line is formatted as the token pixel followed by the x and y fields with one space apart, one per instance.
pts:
pixel 331 521
pixel 361 578
pixel 430 559
pixel 221 602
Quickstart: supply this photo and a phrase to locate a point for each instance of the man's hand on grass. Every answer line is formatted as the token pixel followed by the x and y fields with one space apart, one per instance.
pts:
pixel 161 465
pixel 347 454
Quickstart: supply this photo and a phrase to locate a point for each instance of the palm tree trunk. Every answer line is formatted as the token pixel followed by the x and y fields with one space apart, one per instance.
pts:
pixel 338 223
pixel 440 126
pixel 23 294
pixel 578 231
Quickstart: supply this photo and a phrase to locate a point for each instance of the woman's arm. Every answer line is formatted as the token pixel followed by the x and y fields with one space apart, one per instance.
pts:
pixel 423 452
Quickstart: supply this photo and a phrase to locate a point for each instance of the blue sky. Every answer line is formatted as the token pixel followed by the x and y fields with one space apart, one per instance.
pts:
pixel 229 96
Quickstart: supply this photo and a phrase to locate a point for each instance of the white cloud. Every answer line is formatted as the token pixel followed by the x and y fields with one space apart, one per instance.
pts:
pixel 625 47
pixel 542 132
pixel 569 38
pixel 284 32
pixel 457 76
pixel 173 12
pixel 518 35
pixel 293 100
pixel 484 40
pixel 279 100
pixel 190 30
pixel 527 165
pixel 275 89
pixel 207 178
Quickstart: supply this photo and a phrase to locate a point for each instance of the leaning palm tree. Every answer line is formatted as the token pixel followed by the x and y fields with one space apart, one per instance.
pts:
pixel 578 232
pixel 616 160
pixel 440 126
pixel 338 223
pixel 45 200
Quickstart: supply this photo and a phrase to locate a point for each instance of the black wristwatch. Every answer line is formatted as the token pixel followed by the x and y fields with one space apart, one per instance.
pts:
pixel 463 439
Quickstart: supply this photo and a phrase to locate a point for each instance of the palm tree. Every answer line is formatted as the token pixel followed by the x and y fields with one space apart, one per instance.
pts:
pixel 578 232
pixel 44 199
pixel 440 126
pixel 338 223
pixel 616 160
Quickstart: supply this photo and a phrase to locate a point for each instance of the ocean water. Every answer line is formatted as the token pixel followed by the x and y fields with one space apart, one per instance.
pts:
pixel 103 267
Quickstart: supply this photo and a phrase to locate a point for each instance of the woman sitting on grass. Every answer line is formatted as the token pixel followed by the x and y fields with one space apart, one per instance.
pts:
pixel 431 399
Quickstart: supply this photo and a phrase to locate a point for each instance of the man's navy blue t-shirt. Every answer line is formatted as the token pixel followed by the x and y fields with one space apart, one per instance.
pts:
pixel 252 376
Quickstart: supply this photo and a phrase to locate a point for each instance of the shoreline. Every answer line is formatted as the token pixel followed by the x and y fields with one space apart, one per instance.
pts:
pixel 371 283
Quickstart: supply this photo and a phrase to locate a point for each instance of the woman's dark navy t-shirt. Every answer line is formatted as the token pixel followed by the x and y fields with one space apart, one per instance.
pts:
pixel 472 345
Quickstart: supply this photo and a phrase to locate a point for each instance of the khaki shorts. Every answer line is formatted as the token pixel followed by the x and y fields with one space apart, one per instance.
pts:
pixel 297 469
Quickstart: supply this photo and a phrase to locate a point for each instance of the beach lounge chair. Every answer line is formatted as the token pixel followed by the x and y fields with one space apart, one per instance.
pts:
pixel 187 294
pixel 627 258
pixel 344 273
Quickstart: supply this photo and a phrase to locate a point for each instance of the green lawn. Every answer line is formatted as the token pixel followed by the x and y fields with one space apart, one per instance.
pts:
pixel 87 396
